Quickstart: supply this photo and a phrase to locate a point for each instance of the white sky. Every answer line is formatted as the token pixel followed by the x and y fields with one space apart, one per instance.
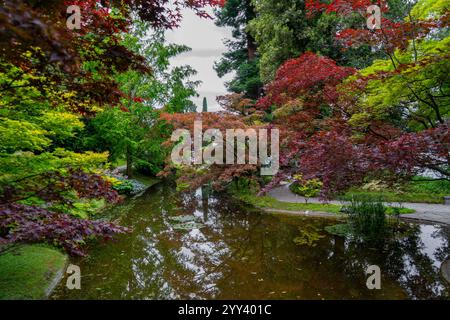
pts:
pixel 206 41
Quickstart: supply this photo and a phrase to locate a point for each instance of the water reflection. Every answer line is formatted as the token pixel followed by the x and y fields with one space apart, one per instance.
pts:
pixel 243 253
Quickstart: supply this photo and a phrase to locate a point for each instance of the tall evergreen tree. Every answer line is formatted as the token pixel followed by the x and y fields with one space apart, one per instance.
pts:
pixel 205 105
pixel 241 57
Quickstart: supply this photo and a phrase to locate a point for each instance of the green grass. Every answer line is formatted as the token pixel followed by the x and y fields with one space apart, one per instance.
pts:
pixel 146 180
pixel 271 203
pixel 120 163
pixel 391 211
pixel 395 197
pixel 413 191
pixel 26 271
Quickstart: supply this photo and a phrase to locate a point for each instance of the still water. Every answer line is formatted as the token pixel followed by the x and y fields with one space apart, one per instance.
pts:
pixel 230 251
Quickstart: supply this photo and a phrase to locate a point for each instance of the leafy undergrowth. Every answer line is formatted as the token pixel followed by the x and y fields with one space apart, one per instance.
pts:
pixel 31 224
pixel 416 191
pixel 27 271
pixel 272 203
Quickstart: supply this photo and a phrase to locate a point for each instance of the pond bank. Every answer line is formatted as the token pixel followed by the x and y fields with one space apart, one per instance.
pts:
pixel 313 214
pixel 30 272
pixel 437 213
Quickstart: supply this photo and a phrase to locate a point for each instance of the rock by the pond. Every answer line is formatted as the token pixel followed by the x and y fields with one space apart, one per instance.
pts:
pixel 186 222
pixel 188 226
pixel 183 219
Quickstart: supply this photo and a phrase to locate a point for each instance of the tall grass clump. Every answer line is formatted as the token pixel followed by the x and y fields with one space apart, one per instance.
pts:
pixel 367 217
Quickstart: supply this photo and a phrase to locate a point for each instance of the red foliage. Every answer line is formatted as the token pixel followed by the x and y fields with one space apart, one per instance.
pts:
pixel 23 223
pixel 391 36
pixel 309 76
pixel 341 162
pixel 343 7
pixel 96 17
pixel 219 175
pixel 31 224
pixel 328 148
pixel 160 13
pixel 335 160
pixel 412 153
pixel 53 187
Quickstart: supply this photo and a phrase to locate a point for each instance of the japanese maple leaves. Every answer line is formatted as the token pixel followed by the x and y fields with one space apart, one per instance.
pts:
pixel 310 76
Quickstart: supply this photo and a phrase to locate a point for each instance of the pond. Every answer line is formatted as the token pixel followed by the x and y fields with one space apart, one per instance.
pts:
pixel 230 251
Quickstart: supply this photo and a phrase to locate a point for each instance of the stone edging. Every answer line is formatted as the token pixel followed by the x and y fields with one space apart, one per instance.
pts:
pixel 56 278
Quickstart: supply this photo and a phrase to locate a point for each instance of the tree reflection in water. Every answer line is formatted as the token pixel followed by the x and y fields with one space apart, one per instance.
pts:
pixel 242 253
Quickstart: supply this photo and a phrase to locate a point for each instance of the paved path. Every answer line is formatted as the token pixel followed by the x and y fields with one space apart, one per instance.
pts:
pixel 424 212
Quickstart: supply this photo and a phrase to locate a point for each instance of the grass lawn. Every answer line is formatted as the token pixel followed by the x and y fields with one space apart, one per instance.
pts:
pixel 271 203
pixel 27 271
pixel 413 191
pixel 146 180
pixel 390 196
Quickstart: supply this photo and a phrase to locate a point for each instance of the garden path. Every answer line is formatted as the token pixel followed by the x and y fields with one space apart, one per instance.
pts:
pixel 439 213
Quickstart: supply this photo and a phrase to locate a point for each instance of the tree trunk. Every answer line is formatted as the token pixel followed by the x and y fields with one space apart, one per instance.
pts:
pixel 251 47
pixel 129 163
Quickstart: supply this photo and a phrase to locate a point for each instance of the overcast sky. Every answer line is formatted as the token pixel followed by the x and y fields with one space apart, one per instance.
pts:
pixel 206 41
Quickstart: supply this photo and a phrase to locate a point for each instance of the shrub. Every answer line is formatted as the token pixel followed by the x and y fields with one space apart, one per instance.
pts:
pixel 306 188
pixel 130 187
pixel 31 224
pixel 123 185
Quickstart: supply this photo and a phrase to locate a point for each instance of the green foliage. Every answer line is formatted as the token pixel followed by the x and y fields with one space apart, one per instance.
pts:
pixel 72 100
pixel 427 9
pixel 342 230
pixel 415 93
pixel 60 125
pixel 85 208
pixel 306 188
pixel 418 184
pixel 367 218
pixel 126 186
pixel 37 135
pixel 21 135
pixel 395 211
pixel 309 235
pixel 133 131
pixel 182 186
pixel 166 86
pixel 242 57
pixel 243 185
